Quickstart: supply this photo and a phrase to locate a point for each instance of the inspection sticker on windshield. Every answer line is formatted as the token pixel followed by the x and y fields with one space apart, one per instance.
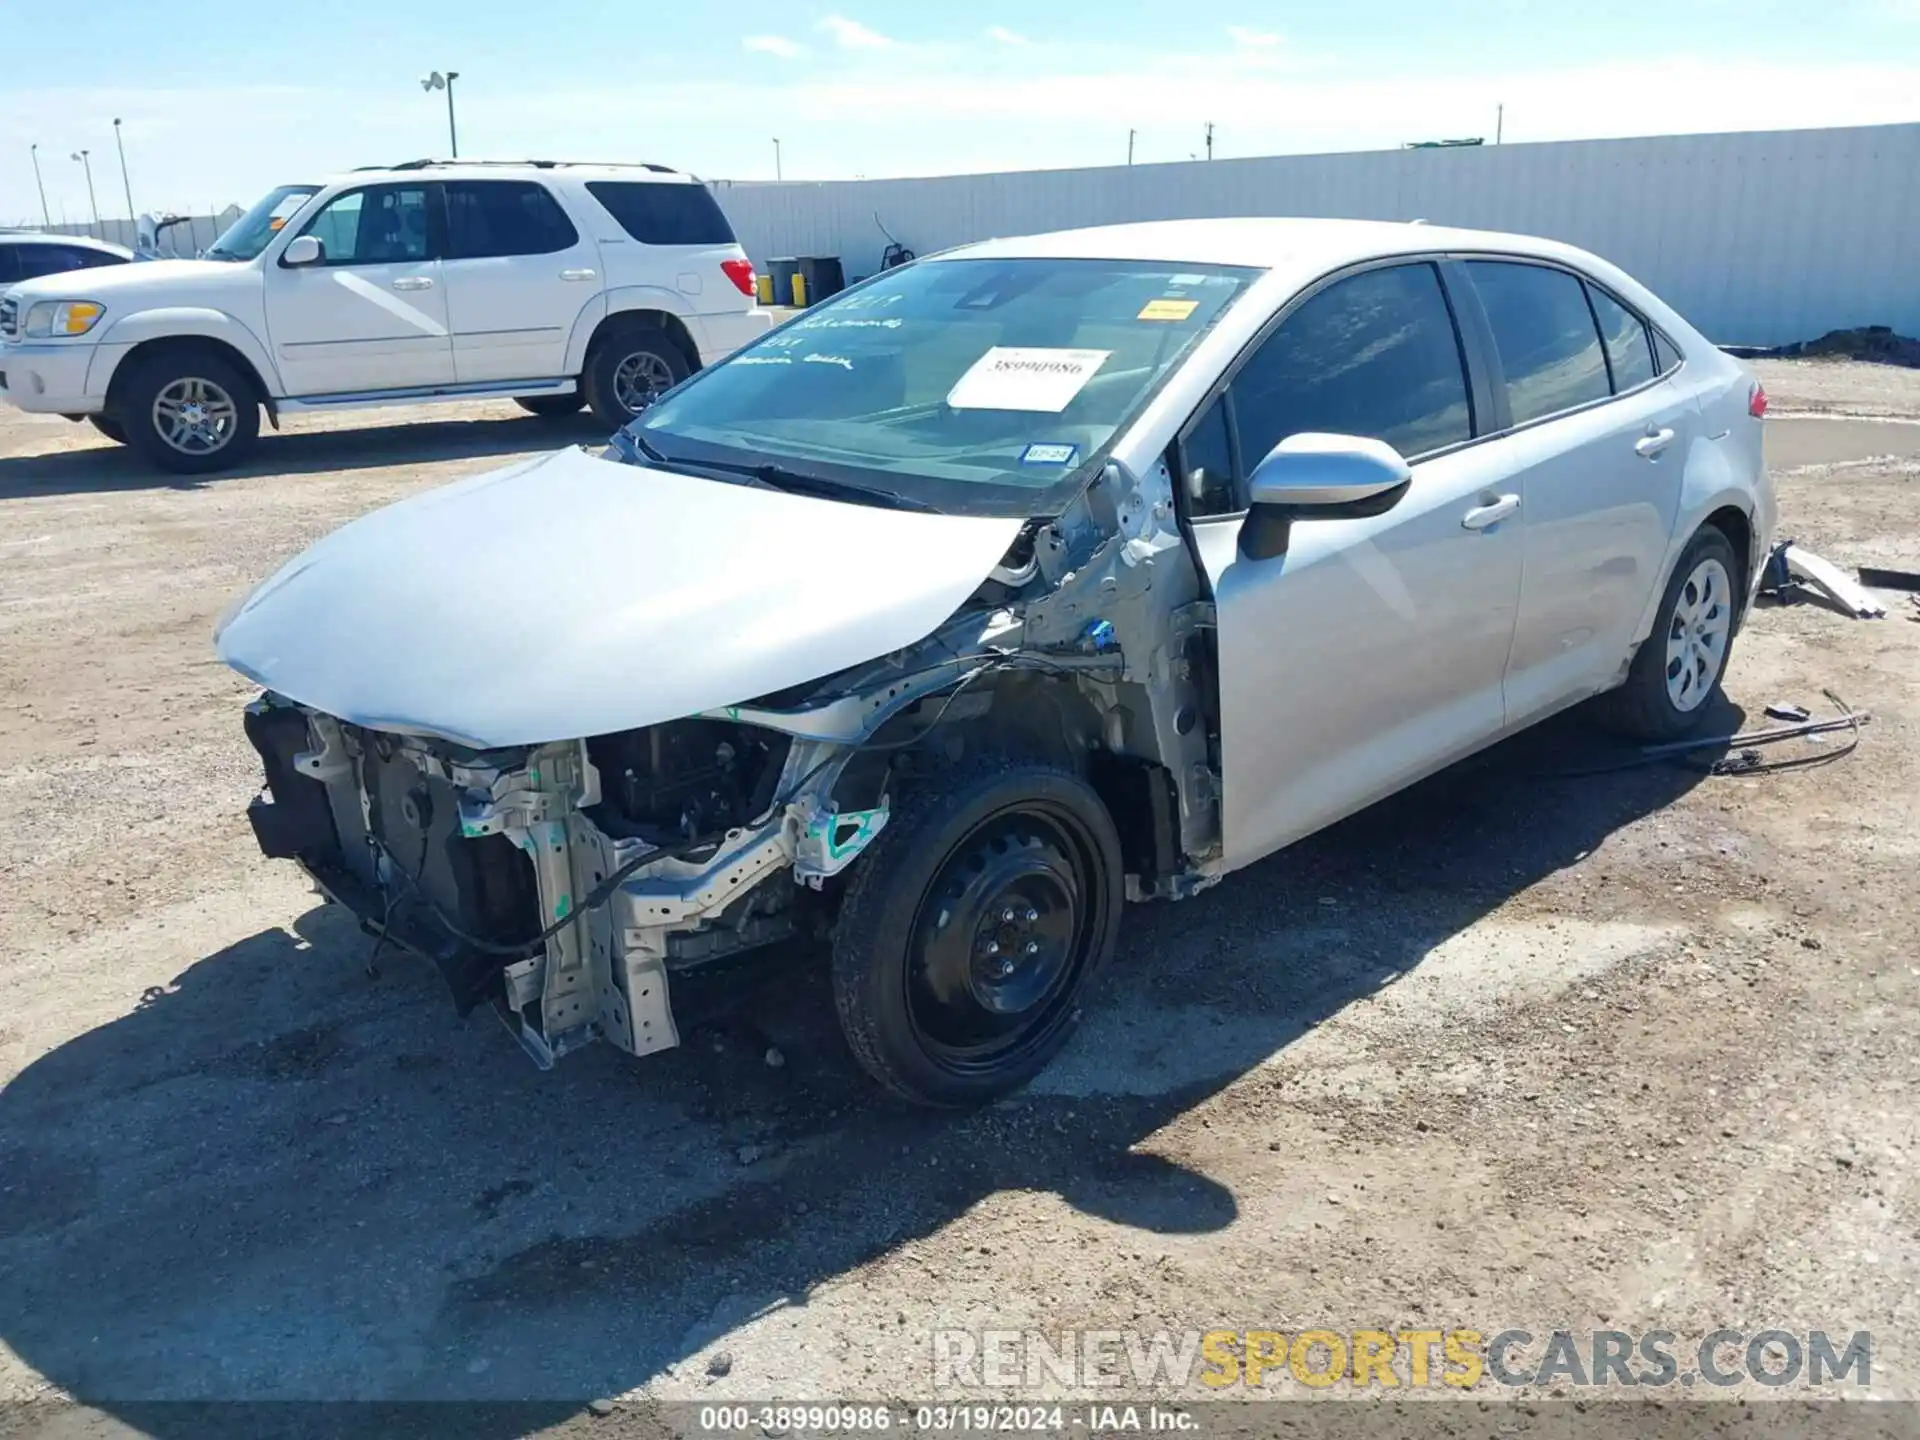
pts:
pixel 1049 454
pixel 1168 309
pixel 1012 377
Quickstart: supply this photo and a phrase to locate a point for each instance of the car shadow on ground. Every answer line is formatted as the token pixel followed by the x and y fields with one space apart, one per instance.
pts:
pixel 279 1179
pixel 302 452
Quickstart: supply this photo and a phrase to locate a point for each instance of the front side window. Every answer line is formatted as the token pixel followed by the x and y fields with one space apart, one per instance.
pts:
pixel 253 231
pixel 975 386
pixel 1545 336
pixel 1629 349
pixel 487 218
pixel 381 225
pixel 1374 355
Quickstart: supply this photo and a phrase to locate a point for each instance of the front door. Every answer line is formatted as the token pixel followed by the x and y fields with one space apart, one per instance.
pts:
pixel 372 314
pixel 1371 652
pixel 518 275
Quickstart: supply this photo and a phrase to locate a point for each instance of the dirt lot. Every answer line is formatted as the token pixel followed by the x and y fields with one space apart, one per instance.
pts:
pixel 1628 1051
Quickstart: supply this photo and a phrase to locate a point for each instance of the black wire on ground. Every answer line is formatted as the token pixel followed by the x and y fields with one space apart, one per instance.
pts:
pixel 1747 759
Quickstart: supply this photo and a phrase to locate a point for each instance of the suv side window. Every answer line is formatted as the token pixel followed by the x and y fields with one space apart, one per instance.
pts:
pixel 1629 347
pixel 380 225
pixel 1548 343
pixel 35 260
pixel 663 212
pixel 504 217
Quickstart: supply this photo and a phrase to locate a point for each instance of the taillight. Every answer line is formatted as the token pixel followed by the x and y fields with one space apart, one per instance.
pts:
pixel 1757 401
pixel 740 272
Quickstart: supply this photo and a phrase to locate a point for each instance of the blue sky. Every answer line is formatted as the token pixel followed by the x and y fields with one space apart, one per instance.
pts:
pixel 222 99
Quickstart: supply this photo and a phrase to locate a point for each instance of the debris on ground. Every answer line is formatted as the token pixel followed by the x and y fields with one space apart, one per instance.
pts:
pixel 1792 570
pixel 1874 343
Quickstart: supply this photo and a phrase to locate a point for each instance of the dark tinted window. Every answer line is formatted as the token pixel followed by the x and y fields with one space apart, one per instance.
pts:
pixel 1545 335
pixel 1373 355
pixel 1629 347
pixel 35 259
pixel 9 265
pixel 1664 353
pixel 381 225
pixel 1206 464
pixel 504 217
pixel 663 213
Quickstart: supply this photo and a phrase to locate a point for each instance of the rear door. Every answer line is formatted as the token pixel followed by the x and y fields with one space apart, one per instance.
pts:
pixel 1371 652
pixel 671 234
pixel 1602 441
pixel 372 314
pixel 518 274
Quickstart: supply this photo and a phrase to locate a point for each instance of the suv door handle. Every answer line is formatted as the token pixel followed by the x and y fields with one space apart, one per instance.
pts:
pixel 576 274
pixel 1481 516
pixel 1649 445
pixel 414 282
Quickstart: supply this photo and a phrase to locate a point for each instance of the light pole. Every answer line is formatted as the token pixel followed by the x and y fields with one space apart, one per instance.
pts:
pixel 777 174
pixel 1499 121
pixel 1130 135
pixel 438 81
pixel 87 165
pixel 1209 139
pixel 125 184
pixel 46 215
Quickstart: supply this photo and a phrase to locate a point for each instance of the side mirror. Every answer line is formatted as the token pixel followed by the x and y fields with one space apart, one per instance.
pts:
pixel 1319 477
pixel 303 250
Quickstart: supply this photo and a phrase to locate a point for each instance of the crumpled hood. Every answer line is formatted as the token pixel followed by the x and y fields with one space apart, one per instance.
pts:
pixel 572 596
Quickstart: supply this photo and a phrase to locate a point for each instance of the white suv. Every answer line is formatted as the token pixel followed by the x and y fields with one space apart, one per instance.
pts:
pixel 551 284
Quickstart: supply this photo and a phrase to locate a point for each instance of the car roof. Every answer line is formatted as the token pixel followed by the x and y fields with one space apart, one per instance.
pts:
pixel 84 242
pixel 513 170
pixel 1267 243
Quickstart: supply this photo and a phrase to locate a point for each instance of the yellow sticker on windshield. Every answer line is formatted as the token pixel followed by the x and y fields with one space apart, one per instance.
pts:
pixel 1168 309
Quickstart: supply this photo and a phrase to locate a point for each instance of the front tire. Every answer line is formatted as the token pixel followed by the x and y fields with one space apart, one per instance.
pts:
pixel 189 411
pixel 550 407
pixel 971 928
pixel 630 367
pixel 1676 674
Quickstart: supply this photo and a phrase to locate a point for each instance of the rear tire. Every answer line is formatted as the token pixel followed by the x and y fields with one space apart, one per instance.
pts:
pixel 970 929
pixel 108 427
pixel 1677 672
pixel 551 407
pixel 628 368
pixel 189 411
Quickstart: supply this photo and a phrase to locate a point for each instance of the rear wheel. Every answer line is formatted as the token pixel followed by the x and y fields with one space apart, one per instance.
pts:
pixel 551 407
pixel 189 411
pixel 1676 673
pixel 971 927
pixel 108 427
pixel 629 368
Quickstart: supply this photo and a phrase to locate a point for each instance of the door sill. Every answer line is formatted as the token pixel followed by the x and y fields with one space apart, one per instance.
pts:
pixel 426 394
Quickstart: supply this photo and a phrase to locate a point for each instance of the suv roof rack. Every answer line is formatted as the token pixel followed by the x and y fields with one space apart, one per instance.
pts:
pixel 532 164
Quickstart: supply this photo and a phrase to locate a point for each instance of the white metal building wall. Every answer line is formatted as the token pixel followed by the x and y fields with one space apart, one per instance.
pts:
pixel 1758 238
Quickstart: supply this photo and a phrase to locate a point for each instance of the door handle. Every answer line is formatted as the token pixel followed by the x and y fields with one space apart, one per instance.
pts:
pixel 1481 516
pixel 414 282
pixel 1649 445
pixel 576 274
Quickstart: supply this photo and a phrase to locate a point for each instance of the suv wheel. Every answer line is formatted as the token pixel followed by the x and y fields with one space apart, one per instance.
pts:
pixel 1676 673
pixel 628 369
pixel 550 407
pixel 190 412
pixel 971 927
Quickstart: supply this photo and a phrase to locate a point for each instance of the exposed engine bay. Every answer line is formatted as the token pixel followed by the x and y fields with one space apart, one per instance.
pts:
pixel 565 883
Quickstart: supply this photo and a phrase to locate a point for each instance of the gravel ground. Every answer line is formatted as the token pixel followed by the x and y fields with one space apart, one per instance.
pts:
pixel 1631 1051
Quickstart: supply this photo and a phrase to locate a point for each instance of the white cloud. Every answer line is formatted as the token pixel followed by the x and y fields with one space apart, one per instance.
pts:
pixel 1003 36
pixel 778 45
pixel 1250 39
pixel 852 35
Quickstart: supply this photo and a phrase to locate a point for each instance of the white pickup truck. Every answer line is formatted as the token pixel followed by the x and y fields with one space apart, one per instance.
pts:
pixel 552 284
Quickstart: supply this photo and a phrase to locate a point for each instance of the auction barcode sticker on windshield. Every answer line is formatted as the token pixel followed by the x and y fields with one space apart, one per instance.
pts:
pixel 1010 377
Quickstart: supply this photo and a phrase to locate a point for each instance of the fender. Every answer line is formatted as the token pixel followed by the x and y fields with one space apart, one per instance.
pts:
pixel 615 301
pixel 181 322
pixel 1708 484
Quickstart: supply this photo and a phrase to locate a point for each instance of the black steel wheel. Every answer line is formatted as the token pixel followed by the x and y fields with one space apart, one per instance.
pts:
pixel 971 928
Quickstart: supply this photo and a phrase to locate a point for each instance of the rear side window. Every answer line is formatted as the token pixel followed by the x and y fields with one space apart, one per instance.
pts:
pixel 1629 346
pixel 664 213
pixel 488 218
pixel 1375 354
pixel 1545 334
pixel 1665 356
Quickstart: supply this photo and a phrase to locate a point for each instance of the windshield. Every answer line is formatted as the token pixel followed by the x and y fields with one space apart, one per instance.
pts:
pixel 249 235
pixel 983 387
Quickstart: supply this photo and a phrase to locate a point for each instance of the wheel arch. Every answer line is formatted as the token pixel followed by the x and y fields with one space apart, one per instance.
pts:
pixel 182 324
pixel 644 307
pixel 146 350
pixel 1731 513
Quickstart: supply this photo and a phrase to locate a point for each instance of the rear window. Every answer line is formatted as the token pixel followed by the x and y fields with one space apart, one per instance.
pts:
pixel 662 213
